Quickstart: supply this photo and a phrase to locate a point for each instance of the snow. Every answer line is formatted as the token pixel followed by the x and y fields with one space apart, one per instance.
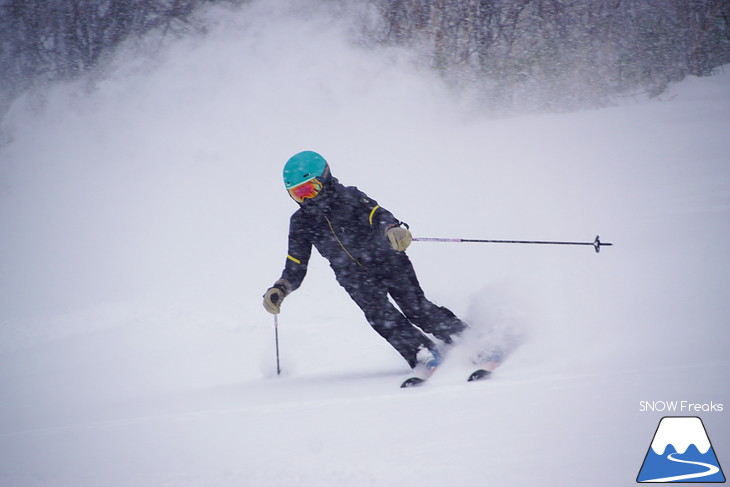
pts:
pixel 689 430
pixel 143 219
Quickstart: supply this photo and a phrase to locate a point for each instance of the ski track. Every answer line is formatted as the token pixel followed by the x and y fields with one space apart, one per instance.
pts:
pixel 711 470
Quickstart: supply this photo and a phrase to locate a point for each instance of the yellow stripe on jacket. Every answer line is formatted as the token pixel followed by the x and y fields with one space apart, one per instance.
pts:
pixel 370 219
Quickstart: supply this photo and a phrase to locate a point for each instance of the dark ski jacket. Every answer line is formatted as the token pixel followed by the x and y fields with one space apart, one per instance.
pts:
pixel 347 228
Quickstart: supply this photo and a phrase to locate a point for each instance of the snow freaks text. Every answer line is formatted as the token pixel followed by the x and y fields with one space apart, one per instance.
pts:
pixel 683 407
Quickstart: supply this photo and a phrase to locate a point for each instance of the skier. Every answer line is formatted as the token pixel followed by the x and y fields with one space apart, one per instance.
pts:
pixel 364 244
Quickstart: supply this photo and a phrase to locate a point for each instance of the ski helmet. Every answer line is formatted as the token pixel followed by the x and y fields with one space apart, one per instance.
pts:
pixel 303 167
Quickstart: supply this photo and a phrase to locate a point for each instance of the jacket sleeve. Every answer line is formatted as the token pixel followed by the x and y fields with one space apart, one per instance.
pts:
pixel 298 252
pixel 378 217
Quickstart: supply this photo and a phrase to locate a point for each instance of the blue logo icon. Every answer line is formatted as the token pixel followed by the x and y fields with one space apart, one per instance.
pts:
pixel 681 452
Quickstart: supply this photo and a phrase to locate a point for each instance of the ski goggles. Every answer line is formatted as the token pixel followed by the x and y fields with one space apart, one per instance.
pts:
pixel 307 189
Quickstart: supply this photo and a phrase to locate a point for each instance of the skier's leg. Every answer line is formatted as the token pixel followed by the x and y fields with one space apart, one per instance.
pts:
pixel 406 291
pixel 386 319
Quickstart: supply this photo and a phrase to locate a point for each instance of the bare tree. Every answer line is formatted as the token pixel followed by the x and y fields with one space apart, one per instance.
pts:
pixel 42 40
pixel 571 51
pixel 554 54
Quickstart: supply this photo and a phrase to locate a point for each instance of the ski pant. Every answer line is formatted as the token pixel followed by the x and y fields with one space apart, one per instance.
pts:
pixel 370 288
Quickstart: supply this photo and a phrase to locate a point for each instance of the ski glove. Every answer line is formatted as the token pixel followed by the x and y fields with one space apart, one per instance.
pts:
pixel 275 295
pixel 399 238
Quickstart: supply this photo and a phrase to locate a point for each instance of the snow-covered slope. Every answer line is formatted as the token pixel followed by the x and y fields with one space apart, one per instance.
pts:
pixel 142 220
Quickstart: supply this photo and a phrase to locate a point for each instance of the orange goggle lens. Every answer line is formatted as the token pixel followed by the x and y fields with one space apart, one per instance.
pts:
pixel 308 189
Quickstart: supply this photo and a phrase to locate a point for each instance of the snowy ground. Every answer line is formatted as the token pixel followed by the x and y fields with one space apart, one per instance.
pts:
pixel 143 220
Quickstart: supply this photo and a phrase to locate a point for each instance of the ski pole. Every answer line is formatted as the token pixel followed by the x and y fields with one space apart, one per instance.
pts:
pixel 276 336
pixel 597 244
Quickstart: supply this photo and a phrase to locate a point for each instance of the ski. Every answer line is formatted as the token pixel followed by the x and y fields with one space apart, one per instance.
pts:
pixel 422 375
pixel 479 374
pixel 413 382
pixel 428 362
pixel 486 363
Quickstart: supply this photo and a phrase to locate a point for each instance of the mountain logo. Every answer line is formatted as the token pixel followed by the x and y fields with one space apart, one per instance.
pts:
pixel 681 452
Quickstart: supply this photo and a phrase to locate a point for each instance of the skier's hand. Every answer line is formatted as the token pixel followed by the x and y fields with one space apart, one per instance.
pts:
pixel 274 296
pixel 399 238
pixel 272 300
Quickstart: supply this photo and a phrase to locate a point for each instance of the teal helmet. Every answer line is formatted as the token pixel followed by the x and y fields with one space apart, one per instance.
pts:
pixel 303 167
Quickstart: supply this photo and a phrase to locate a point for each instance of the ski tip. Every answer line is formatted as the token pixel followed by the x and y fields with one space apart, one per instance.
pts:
pixel 479 374
pixel 412 382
